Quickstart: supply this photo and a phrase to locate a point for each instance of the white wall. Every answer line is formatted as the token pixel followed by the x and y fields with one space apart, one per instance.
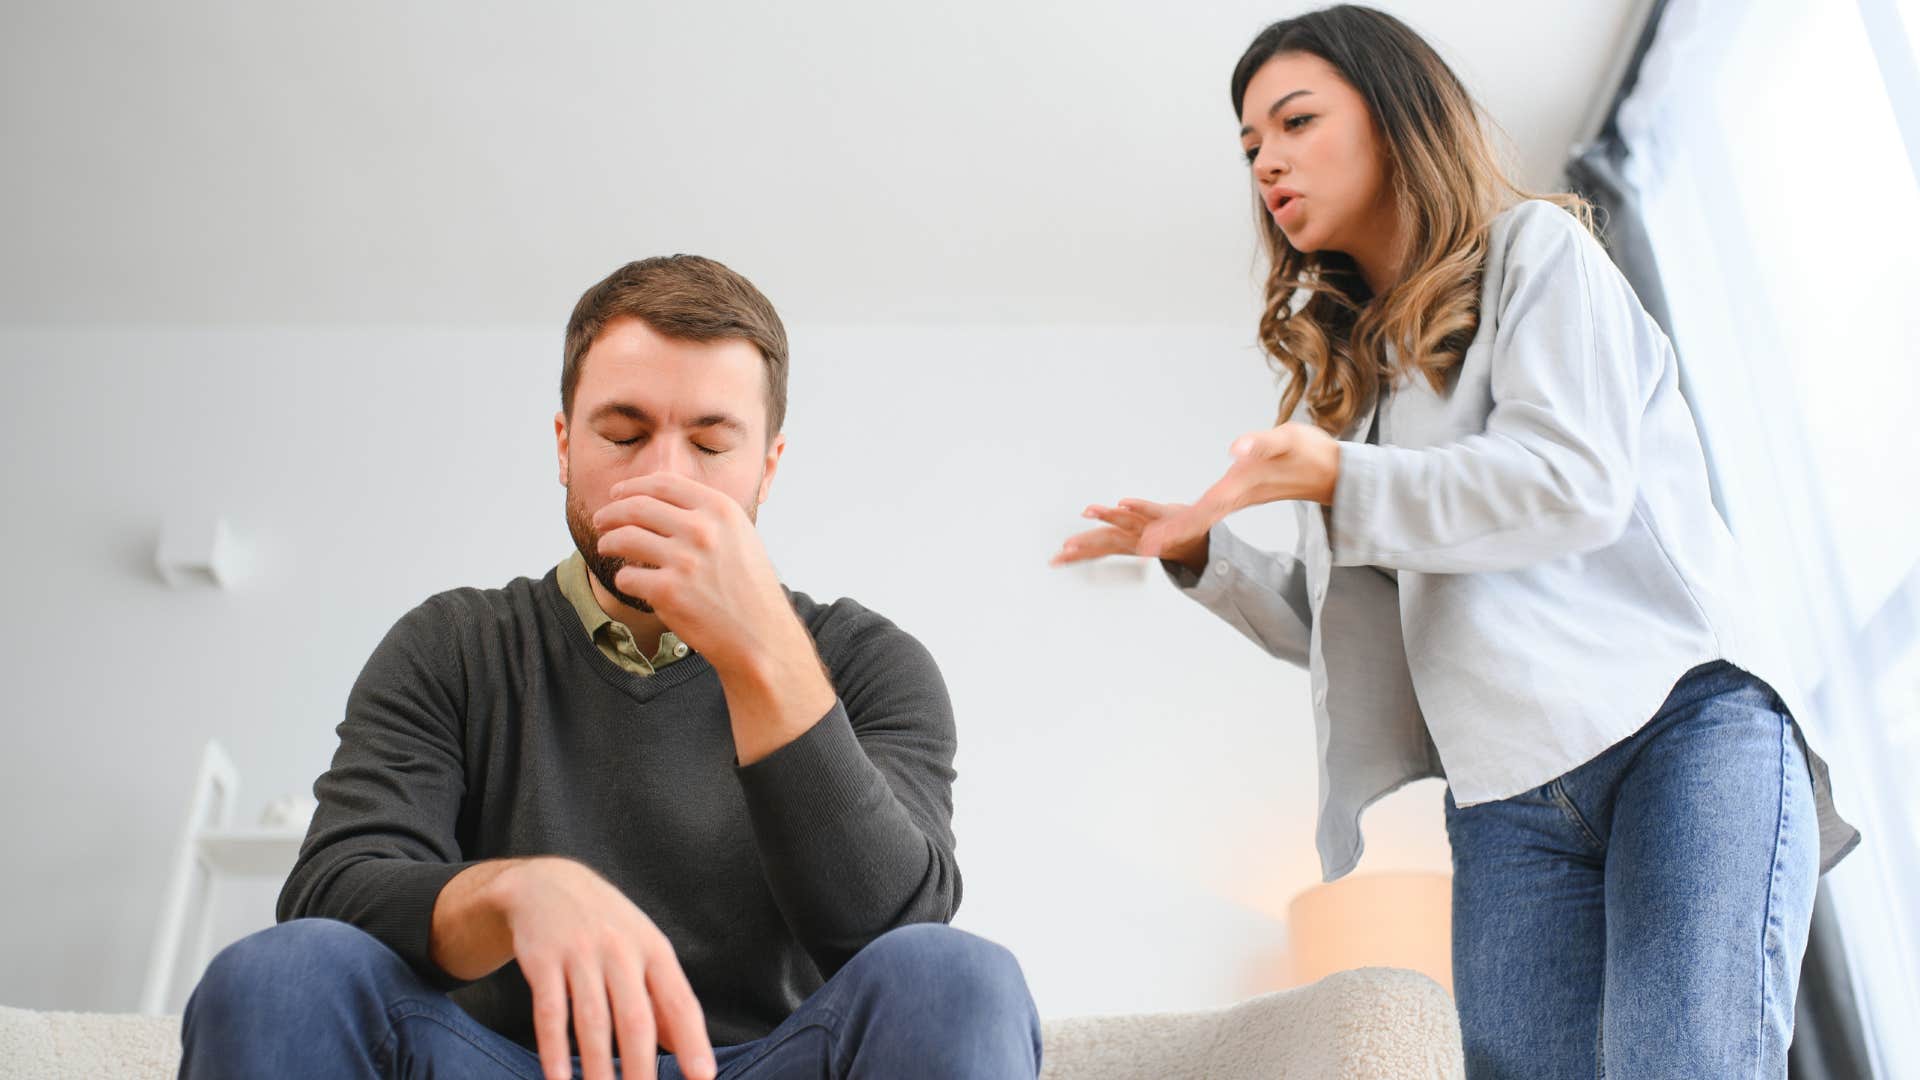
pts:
pixel 1137 782
pixel 450 162
pixel 257 259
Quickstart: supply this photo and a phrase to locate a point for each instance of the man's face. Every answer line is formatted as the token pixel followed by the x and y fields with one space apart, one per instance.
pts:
pixel 645 404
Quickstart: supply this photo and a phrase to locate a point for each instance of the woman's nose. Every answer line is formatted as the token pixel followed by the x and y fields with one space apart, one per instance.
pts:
pixel 1268 165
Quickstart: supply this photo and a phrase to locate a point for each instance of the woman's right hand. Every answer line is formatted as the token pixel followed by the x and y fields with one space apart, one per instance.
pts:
pixel 1120 535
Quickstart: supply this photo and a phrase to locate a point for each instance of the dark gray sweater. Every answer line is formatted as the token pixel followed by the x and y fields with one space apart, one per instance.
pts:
pixel 487 725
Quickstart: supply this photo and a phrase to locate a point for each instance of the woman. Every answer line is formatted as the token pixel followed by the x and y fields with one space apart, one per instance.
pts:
pixel 1509 573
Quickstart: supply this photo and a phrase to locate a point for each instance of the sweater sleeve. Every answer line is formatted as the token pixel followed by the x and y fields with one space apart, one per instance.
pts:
pixel 382 842
pixel 853 819
pixel 1554 471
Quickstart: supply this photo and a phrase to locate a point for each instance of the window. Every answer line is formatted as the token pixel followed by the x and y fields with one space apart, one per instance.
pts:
pixel 1775 151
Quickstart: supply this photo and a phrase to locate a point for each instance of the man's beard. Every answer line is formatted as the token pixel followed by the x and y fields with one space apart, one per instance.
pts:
pixel 606 567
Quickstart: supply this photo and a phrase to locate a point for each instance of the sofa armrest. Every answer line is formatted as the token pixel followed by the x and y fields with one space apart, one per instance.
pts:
pixel 1377 1023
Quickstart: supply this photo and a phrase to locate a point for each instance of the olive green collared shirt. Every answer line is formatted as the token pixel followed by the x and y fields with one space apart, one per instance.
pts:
pixel 612 636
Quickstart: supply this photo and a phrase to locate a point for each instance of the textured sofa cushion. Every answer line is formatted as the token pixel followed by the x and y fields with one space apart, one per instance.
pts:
pixel 63 1045
pixel 1376 1023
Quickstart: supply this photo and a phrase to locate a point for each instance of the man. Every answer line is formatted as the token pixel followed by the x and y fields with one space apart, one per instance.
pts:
pixel 652 799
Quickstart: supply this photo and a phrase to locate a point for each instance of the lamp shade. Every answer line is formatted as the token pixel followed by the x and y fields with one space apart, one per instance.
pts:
pixel 1401 920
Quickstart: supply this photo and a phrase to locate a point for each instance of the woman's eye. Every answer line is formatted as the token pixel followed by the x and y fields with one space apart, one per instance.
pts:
pixel 1252 152
pixel 708 450
pixel 1294 123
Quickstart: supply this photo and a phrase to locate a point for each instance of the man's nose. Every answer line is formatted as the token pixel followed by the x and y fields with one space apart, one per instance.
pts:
pixel 666 455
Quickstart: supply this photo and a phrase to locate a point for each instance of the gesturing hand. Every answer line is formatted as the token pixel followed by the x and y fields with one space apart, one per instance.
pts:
pixel 1121 535
pixel 1292 461
pixel 585 949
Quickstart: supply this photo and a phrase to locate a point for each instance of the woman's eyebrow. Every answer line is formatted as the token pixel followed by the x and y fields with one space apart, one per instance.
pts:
pixel 1276 107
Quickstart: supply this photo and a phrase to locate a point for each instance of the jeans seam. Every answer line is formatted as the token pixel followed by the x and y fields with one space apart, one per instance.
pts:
pixel 1766 922
pixel 1600 1033
pixel 383 1051
pixel 1558 792
pixel 408 1010
pixel 813 1022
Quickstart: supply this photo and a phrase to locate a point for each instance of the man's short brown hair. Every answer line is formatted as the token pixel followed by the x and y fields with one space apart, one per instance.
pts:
pixel 688 298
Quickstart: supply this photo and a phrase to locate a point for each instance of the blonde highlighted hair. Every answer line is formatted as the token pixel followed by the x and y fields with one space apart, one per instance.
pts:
pixel 1320 325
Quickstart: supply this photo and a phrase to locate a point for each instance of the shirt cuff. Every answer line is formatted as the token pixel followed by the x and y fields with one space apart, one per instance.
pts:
pixel 1353 512
pixel 403 920
pixel 1215 578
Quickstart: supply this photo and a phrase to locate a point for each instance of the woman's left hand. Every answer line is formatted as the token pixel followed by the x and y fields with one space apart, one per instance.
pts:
pixel 1292 461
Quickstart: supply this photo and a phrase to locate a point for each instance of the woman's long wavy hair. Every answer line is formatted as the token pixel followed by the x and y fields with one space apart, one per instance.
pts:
pixel 1448 185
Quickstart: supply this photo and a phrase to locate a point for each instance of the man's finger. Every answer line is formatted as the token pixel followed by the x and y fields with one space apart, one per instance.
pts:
pixel 632 1018
pixel 549 988
pixel 683 1027
pixel 642 582
pixel 646 511
pixel 587 990
pixel 682 491
pixel 637 546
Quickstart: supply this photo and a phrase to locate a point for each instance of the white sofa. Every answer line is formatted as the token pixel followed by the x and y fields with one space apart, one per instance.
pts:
pixel 1374 1023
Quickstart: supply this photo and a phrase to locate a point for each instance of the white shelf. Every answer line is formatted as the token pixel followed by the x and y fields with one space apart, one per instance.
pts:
pixel 262 853
pixel 212 850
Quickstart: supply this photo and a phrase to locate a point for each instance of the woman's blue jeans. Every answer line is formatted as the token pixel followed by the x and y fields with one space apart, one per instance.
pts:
pixel 1645 914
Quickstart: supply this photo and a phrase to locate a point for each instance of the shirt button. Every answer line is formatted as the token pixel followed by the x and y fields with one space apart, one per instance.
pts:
pixel 1320 697
pixel 679 650
pixel 1221 567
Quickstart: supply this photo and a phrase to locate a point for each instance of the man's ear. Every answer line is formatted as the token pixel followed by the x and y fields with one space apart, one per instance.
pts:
pixel 774 450
pixel 560 443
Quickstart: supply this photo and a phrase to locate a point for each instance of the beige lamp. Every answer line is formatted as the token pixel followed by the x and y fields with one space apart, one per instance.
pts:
pixel 1399 920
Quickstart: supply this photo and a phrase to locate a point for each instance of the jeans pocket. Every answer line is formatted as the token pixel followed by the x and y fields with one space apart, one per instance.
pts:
pixel 1556 793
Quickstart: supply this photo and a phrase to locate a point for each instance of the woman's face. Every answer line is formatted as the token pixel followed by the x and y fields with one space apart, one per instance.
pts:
pixel 1317 161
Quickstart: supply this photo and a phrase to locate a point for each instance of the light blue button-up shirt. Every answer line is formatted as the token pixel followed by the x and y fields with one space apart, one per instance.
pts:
pixel 1556 561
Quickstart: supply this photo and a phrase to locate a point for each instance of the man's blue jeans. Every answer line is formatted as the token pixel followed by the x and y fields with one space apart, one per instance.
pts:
pixel 1645 914
pixel 320 998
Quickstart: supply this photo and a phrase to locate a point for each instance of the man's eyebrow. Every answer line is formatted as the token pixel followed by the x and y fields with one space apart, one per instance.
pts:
pixel 642 416
pixel 621 408
pixel 722 420
pixel 1276 107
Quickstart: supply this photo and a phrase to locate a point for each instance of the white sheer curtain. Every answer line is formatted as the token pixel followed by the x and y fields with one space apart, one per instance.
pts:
pixel 1775 149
